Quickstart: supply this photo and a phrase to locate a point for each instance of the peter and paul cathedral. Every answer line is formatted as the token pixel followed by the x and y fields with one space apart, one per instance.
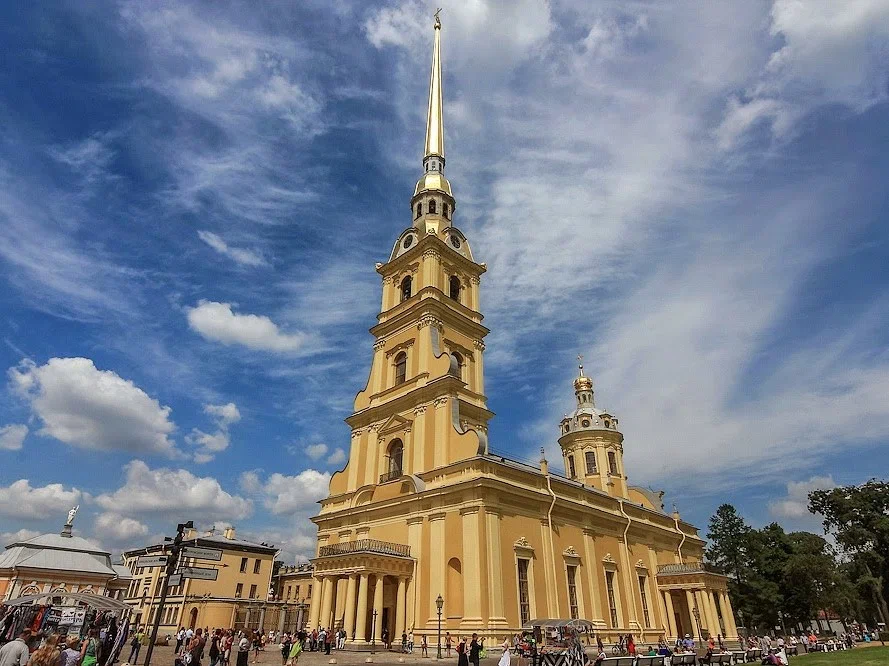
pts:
pixel 424 510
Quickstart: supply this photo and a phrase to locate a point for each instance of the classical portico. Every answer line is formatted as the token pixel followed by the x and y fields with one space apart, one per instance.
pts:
pixel 361 580
pixel 688 587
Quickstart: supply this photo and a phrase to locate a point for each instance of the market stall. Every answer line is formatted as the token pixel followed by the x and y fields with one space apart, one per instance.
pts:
pixel 558 641
pixel 68 613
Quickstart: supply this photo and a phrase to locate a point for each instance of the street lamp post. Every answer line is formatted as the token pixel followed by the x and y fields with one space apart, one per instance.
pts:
pixel 697 614
pixel 373 633
pixel 439 602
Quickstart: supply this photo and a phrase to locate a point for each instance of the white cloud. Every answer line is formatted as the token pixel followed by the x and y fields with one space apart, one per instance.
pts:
pixel 338 457
pixel 174 493
pixel 12 436
pixel 7 538
pixel 795 504
pixel 238 255
pixel 21 500
pixel 289 495
pixel 81 405
pixel 212 443
pixel 113 527
pixel 216 321
pixel 316 451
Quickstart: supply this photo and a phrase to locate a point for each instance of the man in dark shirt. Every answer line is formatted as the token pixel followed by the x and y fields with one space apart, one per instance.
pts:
pixel 475 648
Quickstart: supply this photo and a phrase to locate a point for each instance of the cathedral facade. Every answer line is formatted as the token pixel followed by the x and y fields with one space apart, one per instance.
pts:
pixel 424 511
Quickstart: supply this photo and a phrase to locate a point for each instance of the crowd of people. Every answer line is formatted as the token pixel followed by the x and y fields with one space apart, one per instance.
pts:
pixel 52 649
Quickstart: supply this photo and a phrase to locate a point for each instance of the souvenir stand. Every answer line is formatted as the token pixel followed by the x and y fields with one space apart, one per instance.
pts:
pixel 68 613
pixel 559 642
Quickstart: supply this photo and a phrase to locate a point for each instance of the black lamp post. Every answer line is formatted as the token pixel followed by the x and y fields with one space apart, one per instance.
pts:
pixel 439 602
pixel 697 614
pixel 373 633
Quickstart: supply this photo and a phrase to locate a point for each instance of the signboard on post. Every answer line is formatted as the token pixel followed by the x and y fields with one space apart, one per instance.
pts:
pixel 146 561
pixel 199 572
pixel 174 580
pixel 202 553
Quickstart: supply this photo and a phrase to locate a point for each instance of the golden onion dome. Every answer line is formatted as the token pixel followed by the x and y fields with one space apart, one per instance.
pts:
pixel 583 383
pixel 433 181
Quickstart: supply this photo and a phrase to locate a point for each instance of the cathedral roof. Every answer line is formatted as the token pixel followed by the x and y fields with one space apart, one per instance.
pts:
pixel 58 552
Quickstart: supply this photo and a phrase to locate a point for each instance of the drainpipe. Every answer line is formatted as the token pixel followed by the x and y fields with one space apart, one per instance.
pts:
pixel 639 627
pixel 676 523
pixel 544 467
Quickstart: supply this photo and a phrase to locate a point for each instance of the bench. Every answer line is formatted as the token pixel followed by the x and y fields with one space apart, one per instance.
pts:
pixel 654 660
pixel 619 661
pixel 792 650
pixel 754 655
pixel 719 658
pixel 684 659
pixel 740 656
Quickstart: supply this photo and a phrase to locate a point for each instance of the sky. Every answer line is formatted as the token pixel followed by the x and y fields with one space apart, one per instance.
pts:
pixel 193 196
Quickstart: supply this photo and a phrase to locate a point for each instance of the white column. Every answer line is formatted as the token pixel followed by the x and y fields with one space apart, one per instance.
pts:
pixel 315 607
pixel 361 610
pixel 400 608
pixel 349 622
pixel 326 602
pixel 378 609
pixel 672 631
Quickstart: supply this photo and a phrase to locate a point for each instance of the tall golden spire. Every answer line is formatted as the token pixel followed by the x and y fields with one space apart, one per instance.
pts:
pixel 434 118
pixel 433 202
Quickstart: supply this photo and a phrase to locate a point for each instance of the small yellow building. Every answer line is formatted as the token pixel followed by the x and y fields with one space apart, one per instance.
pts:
pixel 59 563
pixel 423 508
pixel 238 598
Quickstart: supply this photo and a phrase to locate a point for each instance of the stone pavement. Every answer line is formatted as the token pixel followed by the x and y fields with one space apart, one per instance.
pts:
pixel 271 656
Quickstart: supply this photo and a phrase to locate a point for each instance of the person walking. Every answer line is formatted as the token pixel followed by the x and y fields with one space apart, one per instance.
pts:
pixel 328 641
pixel 180 638
pixel 448 641
pixel 135 646
pixel 425 646
pixel 504 658
pixel 285 649
pixel 89 652
pixel 475 650
pixel 214 650
pixel 462 656
pixel 244 649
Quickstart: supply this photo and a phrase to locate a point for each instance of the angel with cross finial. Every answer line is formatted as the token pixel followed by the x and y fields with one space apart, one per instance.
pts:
pixel 437 20
pixel 580 362
pixel 71 514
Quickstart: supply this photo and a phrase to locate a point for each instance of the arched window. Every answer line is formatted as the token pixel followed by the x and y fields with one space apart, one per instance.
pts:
pixel 396 458
pixel 31 589
pixel 432 206
pixel 419 209
pixel 612 463
pixel 454 603
pixel 406 288
pixel 446 211
pixel 590 457
pixel 454 287
pixel 456 369
pixel 400 368
pixel 572 470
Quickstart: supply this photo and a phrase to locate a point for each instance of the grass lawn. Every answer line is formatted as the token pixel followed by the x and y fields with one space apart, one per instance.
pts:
pixel 871 656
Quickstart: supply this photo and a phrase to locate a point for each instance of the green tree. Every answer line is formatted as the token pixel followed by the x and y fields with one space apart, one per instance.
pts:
pixel 728 553
pixel 858 517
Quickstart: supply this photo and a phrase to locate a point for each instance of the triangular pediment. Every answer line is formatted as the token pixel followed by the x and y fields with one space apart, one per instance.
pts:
pixel 395 423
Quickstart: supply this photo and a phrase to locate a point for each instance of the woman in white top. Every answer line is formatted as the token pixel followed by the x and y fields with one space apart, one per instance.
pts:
pixel 504 658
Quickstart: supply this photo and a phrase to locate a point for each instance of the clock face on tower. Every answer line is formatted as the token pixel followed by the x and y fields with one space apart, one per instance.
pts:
pixel 455 241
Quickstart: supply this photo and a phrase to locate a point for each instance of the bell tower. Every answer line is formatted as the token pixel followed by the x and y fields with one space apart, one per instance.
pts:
pixel 591 444
pixel 424 404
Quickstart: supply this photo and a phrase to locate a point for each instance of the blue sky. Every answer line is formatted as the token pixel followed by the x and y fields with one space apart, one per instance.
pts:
pixel 193 197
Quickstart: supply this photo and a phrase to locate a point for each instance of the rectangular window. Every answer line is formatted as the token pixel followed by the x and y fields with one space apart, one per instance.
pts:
pixel 612 463
pixel 253 591
pixel 288 592
pixel 644 601
pixel 590 457
pixel 572 593
pixel 243 565
pixel 612 600
pixel 256 566
pixel 309 593
pixel 239 590
pixel 524 598
pixel 572 470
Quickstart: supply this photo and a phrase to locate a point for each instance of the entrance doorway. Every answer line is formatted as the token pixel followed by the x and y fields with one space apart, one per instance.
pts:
pixel 193 618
